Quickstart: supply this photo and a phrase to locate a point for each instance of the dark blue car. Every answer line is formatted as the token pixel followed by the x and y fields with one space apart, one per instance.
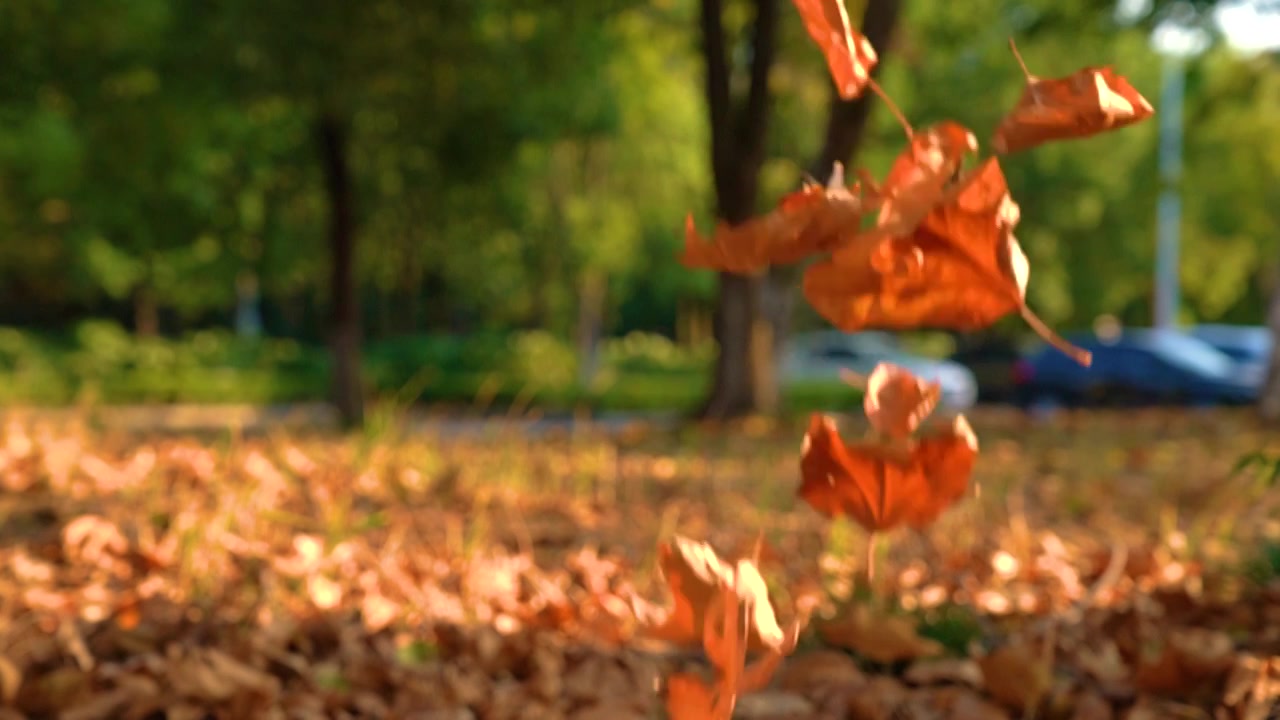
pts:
pixel 1137 367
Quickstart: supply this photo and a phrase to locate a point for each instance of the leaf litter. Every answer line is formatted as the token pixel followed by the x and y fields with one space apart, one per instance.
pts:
pixel 216 581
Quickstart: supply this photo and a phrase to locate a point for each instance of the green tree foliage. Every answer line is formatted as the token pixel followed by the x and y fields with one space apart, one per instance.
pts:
pixel 527 164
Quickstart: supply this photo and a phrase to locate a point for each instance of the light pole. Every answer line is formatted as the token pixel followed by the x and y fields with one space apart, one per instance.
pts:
pixel 1169 204
pixel 1177 39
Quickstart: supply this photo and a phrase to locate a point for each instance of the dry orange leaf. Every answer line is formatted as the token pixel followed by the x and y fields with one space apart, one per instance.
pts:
pixel 878 636
pixel 961 269
pixel 811 220
pixel 920 176
pixel 1016 675
pixel 896 402
pixel 878 488
pixel 1090 101
pixel 849 55
pixel 694 574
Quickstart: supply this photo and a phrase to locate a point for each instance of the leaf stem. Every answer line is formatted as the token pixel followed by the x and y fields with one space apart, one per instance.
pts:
pixel 1018 56
pixel 1084 357
pixel 893 107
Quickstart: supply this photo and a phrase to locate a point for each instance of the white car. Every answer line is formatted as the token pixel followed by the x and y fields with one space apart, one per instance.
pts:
pixel 824 355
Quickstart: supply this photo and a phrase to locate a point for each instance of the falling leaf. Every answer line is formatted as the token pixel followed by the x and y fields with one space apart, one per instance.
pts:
pixel 876 486
pixel 896 402
pixel 689 697
pixel 807 222
pixel 920 176
pixel 850 56
pixel 961 269
pixel 878 636
pixel 1090 101
pixel 694 574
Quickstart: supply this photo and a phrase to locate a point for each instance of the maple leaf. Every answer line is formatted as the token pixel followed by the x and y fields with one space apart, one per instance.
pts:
pixel 961 269
pixel 811 220
pixel 849 54
pixel 877 486
pixel 1090 101
pixel 920 174
pixel 896 402
pixel 694 574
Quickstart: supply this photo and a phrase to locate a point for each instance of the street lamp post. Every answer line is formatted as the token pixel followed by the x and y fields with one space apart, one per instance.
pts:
pixel 1169 204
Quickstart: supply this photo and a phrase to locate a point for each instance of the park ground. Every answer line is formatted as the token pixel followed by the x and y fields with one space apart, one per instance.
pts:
pixel 410 573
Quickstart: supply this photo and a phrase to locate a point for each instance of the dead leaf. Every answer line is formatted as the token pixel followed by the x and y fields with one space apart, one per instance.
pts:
pixel 1016 675
pixel 876 487
pixel 808 673
pixel 1185 657
pixel 850 56
pixel 878 636
pixel 936 671
pixel 896 402
pixel 809 221
pixel 920 177
pixel 694 574
pixel 960 269
pixel 1087 102
pixel 10 680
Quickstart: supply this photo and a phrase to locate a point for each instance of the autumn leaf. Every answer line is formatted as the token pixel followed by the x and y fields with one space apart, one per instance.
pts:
pixel 896 402
pixel 849 55
pixel 876 486
pixel 961 269
pixel 920 175
pixel 878 636
pixel 812 220
pixel 694 574
pixel 1016 675
pixel 1090 101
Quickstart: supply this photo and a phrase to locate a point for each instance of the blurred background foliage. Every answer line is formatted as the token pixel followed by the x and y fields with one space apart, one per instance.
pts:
pixel 521 170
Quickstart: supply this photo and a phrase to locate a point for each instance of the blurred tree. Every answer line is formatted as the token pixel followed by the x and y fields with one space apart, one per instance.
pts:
pixel 745 380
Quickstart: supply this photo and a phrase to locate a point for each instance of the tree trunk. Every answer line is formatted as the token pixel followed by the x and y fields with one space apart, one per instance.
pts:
pixel 745 380
pixel 146 312
pixel 1269 400
pixel 344 311
pixel 592 291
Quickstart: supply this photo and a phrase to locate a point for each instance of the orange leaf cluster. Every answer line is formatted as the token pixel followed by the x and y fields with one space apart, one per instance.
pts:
pixel 940 251
pixel 893 478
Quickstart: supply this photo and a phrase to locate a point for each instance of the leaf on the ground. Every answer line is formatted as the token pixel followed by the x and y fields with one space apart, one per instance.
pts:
pixel 935 671
pixel 810 672
pixel 896 402
pixel 1183 658
pixel 812 220
pixel 10 680
pixel 872 484
pixel 878 636
pixel 850 56
pixel 1090 101
pixel 1016 675
pixel 960 269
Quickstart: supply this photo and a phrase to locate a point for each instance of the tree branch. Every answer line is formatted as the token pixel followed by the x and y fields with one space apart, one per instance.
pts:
pixel 753 126
pixel 717 91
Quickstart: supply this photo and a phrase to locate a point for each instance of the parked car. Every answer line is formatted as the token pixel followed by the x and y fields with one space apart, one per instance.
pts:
pixel 1248 344
pixel 992 363
pixel 1138 366
pixel 822 355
